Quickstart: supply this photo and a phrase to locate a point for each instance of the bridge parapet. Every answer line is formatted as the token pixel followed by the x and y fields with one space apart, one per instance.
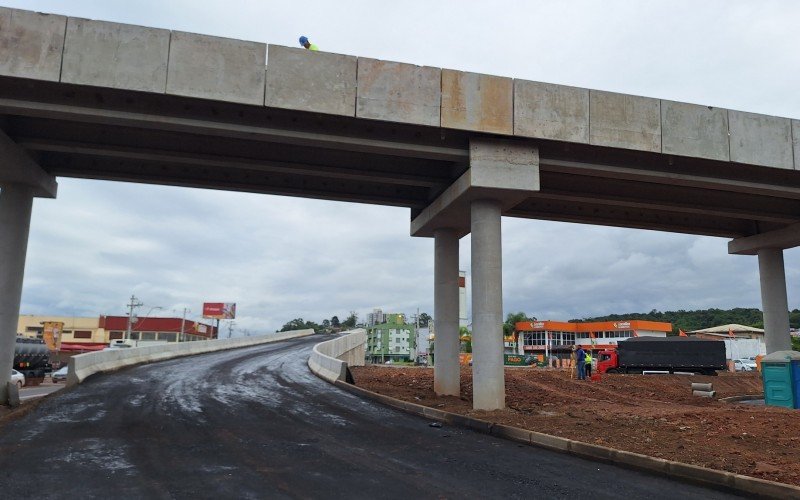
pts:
pixel 329 360
pixel 103 54
pixel 84 365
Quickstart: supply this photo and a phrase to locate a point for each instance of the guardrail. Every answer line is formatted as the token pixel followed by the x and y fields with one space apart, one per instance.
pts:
pixel 84 365
pixel 329 360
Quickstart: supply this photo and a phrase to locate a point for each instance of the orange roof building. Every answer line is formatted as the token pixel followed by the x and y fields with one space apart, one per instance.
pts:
pixel 558 337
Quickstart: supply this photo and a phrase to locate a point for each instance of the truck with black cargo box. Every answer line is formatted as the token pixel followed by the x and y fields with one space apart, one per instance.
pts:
pixel 670 354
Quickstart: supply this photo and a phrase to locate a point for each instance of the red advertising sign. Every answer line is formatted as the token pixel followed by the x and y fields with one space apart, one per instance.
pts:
pixel 219 310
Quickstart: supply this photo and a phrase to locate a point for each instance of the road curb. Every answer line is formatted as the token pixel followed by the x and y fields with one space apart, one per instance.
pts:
pixel 760 488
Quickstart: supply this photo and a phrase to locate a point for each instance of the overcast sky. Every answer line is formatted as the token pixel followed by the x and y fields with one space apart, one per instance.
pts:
pixel 281 258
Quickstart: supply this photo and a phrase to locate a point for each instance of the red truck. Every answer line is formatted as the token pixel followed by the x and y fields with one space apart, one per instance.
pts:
pixel 670 354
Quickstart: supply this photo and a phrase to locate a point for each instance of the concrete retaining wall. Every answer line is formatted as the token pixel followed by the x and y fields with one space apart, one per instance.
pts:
pixel 115 55
pixel 84 365
pixel 329 360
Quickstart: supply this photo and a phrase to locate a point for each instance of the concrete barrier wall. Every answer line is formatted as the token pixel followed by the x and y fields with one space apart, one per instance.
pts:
pixel 84 365
pixel 80 51
pixel 330 359
pixel 115 55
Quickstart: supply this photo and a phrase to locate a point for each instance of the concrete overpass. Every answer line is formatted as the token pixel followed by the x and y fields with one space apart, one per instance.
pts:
pixel 92 99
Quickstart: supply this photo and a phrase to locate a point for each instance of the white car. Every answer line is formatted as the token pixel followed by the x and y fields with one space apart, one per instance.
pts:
pixel 17 378
pixel 744 365
pixel 60 375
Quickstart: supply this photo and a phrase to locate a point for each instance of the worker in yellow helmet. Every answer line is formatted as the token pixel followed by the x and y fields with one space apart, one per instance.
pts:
pixel 305 43
pixel 588 362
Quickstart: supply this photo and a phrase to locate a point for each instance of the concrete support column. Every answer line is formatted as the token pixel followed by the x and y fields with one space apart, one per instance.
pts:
pixel 446 369
pixel 487 307
pixel 773 300
pixel 16 202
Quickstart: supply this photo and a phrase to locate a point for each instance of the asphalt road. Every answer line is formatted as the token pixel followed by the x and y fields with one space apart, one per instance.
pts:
pixel 38 391
pixel 255 423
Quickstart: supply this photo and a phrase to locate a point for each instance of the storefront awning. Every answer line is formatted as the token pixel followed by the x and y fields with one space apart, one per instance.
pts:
pixel 73 346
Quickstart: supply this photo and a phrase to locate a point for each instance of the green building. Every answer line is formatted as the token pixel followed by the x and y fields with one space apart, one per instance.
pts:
pixel 395 340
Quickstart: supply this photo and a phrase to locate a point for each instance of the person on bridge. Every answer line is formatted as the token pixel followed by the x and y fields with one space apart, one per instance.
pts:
pixel 305 43
pixel 580 357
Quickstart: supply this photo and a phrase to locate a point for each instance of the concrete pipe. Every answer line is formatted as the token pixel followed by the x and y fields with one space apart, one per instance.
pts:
pixel 705 394
pixel 696 386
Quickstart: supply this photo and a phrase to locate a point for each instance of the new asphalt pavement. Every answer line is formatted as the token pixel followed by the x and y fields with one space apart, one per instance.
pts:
pixel 255 423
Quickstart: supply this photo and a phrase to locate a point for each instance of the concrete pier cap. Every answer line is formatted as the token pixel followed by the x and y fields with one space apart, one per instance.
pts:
pixel 17 168
pixel 503 170
pixel 780 239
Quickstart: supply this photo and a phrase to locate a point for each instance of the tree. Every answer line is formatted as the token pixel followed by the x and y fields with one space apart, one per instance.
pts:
pixel 351 320
pixel 511 322
pixel 326 323
pixel 300 324
pixel 697 320
pixel 424 318
pixel 335 322
pixel 465 337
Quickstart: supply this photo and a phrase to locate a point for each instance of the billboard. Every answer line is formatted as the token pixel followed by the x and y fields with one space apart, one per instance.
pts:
pixel 51 333
pixel 219 310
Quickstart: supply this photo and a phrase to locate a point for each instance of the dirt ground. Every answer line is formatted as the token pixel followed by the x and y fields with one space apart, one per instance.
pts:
pixel 656 415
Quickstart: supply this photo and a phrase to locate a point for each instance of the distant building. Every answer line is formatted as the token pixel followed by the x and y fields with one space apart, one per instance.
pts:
pixel 376 317
pixel 394 340
pixel 424 342
pixel 74 335
pixel 740 341
pixel 556 338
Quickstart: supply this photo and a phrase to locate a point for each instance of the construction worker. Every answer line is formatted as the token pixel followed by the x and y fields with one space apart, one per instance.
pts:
pixel 588 362
pixel 308 45
pixel 580 356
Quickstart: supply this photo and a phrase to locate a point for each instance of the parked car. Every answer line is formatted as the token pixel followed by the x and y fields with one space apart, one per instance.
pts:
pixel 17 378
pixel 60 375
pixel 744 365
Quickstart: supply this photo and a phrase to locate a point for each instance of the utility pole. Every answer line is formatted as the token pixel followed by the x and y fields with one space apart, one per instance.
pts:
pixel 230 328
pixel 183 324
pixel 416 337
pixel 134 304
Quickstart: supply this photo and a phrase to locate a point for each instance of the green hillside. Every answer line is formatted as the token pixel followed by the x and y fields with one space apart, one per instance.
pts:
pixel 696 320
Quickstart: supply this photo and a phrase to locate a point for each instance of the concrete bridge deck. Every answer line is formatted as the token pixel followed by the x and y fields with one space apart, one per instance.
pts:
pixel 103 100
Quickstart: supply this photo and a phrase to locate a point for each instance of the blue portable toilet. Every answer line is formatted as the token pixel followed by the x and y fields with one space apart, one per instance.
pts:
pixel 780 372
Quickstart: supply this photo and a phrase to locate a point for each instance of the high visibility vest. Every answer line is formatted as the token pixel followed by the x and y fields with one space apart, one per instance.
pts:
pixel 313 47
pixel 588 359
